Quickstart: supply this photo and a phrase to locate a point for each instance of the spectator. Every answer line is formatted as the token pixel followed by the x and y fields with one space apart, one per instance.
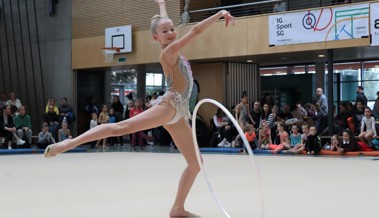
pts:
pixel 250 136
pixel 301 147
pixel 361 96
pixel 220 121
pixel 368 123
pixel 375 110
pixel 272 122
pixel 284 142
pixel 272 118
pixel 230 130
pixel 320 118
pixel 7 129
pixel 334 143
pixel 118 111
pixel 129 106
pixel 103 118
pixel 14 102
pixel 280 6
pixel 295 137
pixel 23 125
pixel 93 123
pixel 112 119
pixel 264 139
pixel 256 113
pixel 265 113
pixel 51 118
pixel 358 113
pixel 66 111
pixel 137 136
pixel 64 133
pixel 45 138
pixel 243 112
pixel 348 143
pixel 92 107
pixel 3 100
pixel 285 113
pixel 321 98
pixel 299 112
pixel 313 142
pixel 52 103
pixel 311 111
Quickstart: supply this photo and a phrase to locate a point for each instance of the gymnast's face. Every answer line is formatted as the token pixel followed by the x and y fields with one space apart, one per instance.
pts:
pixel 165 32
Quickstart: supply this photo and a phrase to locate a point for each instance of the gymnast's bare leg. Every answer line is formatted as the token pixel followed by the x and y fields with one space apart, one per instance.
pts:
pixel 154 117
pixel 181 133
pixel 151 118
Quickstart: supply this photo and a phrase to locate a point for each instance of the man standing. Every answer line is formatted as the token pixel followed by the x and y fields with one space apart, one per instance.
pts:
pixel 321 98
pixel 361 96
pixel 23 125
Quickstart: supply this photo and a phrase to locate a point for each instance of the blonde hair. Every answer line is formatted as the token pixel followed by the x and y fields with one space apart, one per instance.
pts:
pixel 249 127
pixel 155 21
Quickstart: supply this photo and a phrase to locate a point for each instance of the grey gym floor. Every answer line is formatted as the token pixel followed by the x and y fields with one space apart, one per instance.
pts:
pixel 143 184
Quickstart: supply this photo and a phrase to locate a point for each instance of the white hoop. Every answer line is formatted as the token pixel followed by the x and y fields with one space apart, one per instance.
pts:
pixel 108 55
pixel 246 143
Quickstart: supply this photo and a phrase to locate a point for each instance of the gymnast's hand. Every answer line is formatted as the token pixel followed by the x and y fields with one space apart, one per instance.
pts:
pixel 228 17
pixel 159 1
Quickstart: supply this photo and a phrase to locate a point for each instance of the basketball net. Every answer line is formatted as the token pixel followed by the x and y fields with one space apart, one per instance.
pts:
pixel 109 53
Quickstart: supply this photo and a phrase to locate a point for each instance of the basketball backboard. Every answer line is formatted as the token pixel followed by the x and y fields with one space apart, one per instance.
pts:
pixel 119 37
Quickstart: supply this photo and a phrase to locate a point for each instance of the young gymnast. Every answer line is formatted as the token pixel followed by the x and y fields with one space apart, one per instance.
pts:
pixel 170 110
pixel 369 122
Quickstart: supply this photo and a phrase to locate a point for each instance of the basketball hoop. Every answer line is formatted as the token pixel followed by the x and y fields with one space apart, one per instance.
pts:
pixel 109 53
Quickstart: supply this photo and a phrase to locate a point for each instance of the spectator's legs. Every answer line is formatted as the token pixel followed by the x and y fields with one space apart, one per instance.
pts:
pixel 20 133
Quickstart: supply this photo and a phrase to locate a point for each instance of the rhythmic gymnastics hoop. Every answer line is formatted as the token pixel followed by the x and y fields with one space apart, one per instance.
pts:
pixel 247 145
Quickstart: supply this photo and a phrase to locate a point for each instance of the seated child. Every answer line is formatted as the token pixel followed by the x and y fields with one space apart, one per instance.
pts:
pixel 284 140
pixel 334 143
pixel 250 135
pixel 349 143
pixel 295 137
pixel 45 138
pixel 264 136
pixel 369 122
pixel 300 147
pixel 64 133
pixel 313 143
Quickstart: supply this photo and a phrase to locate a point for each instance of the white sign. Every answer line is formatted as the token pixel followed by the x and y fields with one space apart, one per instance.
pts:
pixel 374 20
pixel 326 24
pixel 119 37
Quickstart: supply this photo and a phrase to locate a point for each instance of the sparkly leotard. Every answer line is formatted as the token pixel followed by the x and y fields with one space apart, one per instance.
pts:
pixel 179 87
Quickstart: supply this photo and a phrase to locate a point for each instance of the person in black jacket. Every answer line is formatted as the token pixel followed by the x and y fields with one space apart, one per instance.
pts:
pixel 52 119
pixel 361 95
pixel 313 142
pixel 349 143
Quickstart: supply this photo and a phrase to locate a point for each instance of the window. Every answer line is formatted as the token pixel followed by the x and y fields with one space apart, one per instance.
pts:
pixel 154 83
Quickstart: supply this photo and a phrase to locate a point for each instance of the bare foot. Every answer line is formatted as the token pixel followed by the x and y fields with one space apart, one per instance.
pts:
pixel 57 148
pixel 181 213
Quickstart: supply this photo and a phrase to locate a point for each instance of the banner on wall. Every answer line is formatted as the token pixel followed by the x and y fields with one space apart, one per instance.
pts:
pixel 374 20
pixel 326 24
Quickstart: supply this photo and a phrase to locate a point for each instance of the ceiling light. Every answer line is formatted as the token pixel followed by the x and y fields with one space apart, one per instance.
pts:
pixel 249 61
pixel 321 56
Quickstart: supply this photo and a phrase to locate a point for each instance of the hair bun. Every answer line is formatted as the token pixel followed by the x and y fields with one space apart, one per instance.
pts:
pixel 155 17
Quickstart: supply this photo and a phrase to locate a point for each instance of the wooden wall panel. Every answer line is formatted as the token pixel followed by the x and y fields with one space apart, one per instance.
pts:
pixel 91 17
pixel 211 78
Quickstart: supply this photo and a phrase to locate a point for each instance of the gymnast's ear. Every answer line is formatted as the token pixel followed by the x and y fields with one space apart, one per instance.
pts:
pixel 155 37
